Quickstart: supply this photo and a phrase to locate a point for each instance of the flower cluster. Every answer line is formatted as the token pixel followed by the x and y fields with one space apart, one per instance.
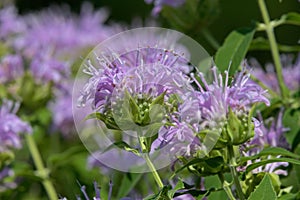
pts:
pixel 145 74
pixel 219 110
pixel 291 73
pixel 270 134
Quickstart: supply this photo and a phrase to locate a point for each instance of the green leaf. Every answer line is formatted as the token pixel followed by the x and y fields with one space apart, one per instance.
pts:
pixel 234 49
pixel 262 44
pixel 110 123
pixel 271 160
pixel 128 183
pixel 291 18
pixel 275 151
pixel 124 146
pixel 177 187
pixel 134 108
pixel 289 196
pixel 162 195
pixel 3 49
pixel 264 190
pixel 159 100
pixel 192 162
pixel 64 157
pixel 291 119
pixel 215 162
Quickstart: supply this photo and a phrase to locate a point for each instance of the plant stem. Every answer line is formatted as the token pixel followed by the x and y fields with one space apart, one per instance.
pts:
pixel 208 36
pixel 226 187
pixel 274 48
pixel 153 171
pixel 232 164
pixel 40 167
pixel 152 168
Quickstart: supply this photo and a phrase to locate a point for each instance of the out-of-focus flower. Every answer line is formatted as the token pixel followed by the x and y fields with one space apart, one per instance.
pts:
pixel 271 134
pixel 79 32
pixel 158 4
pixel 290 72
pixel 62 114
pixel 45 68
pixel 11 67
pixel 10 22
pixel 11 126
pixel 4 173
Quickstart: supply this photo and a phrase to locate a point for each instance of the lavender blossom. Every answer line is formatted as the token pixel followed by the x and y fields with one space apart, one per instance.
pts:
pixel 134 70
pixel 79 32
pixel 11 126
pixel 62 114
pixel 11 67
pixel 158 4
pixel 216 99
pixel 268 136
pixel 10 23
pixel 45 68
pixel 290 72
pixel 212 110
pixel 271 133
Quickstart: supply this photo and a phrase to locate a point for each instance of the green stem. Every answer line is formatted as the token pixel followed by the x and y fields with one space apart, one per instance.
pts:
pixel 232 164
pixel 208 36
pixel 274 48
pixel 42 171
pixel 153 171
pixel 149 163
pixel 226 187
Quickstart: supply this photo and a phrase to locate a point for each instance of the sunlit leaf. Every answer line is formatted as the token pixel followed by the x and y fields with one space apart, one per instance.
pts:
pixel 264 190
pixel 234 49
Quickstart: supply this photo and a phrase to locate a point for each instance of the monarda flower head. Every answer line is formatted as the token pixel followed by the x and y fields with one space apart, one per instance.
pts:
pixel 136 83
pixel 228 108
pixel 220 114
pixel 129 86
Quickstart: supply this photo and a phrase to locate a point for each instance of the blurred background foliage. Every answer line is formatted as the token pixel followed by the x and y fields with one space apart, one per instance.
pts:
pixel 232 15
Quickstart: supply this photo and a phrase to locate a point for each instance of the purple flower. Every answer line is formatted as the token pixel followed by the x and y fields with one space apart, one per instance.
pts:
pixel 217 98
pixel 11 67
pixel 270 134
pixel 11 126
pixel 6 172
pixel 184 197
pixel 79 32
pixel 62 114
pixel 158 4
pixel 208 111
pixel 138 71
pixel 290 72
pixel 46 68
pixel 10 23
